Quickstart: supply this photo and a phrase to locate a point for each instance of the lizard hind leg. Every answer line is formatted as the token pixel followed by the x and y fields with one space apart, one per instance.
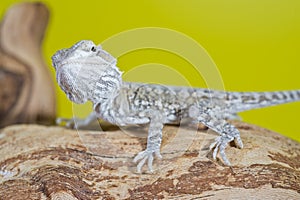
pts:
pixel 209 117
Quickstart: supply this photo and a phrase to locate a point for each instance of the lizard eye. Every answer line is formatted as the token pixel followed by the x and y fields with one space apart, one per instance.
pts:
pixel 93 49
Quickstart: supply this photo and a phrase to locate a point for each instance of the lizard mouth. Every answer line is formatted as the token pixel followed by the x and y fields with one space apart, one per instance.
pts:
pixel 57 57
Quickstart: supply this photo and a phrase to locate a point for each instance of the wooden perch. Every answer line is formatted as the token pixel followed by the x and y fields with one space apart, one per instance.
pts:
pixel 38 162
pixel 26 89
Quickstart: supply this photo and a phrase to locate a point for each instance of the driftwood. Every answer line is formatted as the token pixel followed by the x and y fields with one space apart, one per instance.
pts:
pixel 38 162
pixel 26 89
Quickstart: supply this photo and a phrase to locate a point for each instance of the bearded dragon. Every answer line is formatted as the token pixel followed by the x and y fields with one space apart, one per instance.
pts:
pixel 86 72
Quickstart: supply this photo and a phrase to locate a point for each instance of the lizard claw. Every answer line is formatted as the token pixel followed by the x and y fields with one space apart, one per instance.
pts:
pixel 144 156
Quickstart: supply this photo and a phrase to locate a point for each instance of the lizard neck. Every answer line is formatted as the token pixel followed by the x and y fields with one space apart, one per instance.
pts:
pixel 115 108
pixel 97 99
pixel 107 86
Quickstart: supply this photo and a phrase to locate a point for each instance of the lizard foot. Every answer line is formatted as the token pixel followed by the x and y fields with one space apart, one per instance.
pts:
pixel 219 146
pixel 77 122
pixel 69 123
pixel 144 156
pixel 72 122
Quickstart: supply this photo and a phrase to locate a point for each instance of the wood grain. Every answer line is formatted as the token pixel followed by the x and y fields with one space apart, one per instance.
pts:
pixel 38 162
pixel 26 88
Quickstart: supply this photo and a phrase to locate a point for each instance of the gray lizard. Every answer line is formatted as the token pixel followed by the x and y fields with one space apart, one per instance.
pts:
pixel 85 72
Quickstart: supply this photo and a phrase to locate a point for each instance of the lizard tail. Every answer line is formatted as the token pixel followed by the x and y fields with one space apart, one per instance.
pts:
pixel 242 101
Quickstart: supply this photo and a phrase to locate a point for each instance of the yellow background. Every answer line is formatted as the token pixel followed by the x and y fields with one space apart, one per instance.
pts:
pixel 254 43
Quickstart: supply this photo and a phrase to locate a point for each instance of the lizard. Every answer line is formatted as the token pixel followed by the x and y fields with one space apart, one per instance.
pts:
pixel 86 72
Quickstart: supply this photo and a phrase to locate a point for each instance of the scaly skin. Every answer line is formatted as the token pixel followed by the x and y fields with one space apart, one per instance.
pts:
pixel 86 72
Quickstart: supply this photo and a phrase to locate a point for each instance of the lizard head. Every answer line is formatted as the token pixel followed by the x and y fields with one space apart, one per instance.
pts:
pixel 86 72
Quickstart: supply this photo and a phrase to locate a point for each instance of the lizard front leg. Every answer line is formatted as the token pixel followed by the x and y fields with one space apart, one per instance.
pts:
pixel 153 142
pixel 209 117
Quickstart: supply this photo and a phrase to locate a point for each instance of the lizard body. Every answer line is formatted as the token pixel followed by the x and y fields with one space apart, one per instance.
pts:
pixel 86 72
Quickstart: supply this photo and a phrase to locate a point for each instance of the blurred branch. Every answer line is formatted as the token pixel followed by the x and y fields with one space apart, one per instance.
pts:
pixel 26 89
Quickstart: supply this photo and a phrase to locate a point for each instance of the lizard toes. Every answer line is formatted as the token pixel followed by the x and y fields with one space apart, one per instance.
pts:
pixel 146 156
pixel 219 147
pixel 139 156
pixel 238 142
pixel 223 154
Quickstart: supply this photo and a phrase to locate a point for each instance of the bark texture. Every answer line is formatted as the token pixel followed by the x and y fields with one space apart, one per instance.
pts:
pixel 38 162
pixel 26 88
